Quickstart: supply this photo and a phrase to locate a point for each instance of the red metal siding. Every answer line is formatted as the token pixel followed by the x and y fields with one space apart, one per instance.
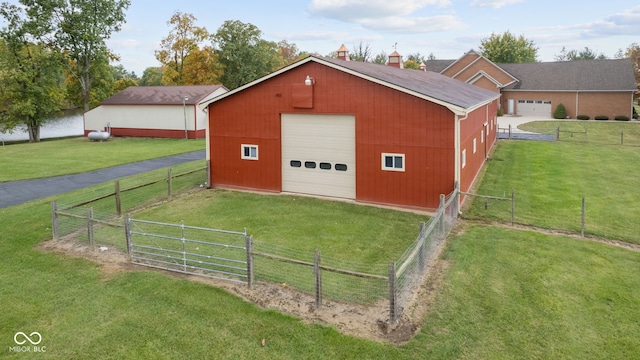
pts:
pixel 386 121
pixel 155 133
pixel 472 128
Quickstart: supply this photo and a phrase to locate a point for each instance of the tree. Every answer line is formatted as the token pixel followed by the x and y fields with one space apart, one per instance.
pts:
pixel 102 83
pixel 381 58
pixel 633 53
pixel 184 39
pixel 79 28
pixel 414 60
pixel 244 55
pixel 31 79
pixel 506 48
pixel 560 112
pixel 201 67
pixel 361 52
pixel 289 52
pixel 152 76
pixel 584 54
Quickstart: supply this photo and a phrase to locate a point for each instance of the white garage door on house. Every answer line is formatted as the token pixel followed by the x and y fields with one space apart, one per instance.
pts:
pixel 541 108
pixel 319 155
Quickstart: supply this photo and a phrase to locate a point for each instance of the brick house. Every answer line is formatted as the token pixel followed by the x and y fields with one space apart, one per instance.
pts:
pixel 587 87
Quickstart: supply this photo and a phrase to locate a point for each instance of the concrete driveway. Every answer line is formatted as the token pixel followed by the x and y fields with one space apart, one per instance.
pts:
pixel 517 134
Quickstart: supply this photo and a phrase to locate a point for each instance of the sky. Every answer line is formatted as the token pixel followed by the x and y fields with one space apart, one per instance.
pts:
pixel 445 28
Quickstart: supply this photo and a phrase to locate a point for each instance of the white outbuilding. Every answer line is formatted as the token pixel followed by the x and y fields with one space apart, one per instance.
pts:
pixel 154 111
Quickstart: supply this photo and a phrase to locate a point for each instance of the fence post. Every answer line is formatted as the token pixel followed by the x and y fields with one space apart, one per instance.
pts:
pixel 184 246
pixel 118 200
pixel 509 131
pixel 441 210
pixel 421 252
pixel 513 205
pixel 558 133
pixel 127 234
pixel 169 184
pixel 248 241
pixel 54 219
pixel 318 277
pixel 583 214
pixel 392 294
pixel 622 137
pixel 90 227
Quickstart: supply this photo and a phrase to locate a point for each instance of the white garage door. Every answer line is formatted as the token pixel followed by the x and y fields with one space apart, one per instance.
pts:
pixel 319 155
pixel 541 108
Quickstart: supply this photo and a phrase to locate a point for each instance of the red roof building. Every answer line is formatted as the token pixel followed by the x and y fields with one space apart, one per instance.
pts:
pixel 367 132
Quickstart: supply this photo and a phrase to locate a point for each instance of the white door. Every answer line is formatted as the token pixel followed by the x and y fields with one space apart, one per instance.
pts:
pixel 541 108
pixel 511 106
pixel 319 155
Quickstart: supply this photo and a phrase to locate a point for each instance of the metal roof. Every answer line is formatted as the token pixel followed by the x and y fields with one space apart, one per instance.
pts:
pixel 456 95
pixel 162 95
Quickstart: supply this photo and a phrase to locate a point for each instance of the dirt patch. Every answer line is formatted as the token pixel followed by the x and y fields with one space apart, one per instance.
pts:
pixel 369 322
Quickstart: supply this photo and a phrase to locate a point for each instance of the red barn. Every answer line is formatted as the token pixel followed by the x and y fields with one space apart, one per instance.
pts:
pixel 362 131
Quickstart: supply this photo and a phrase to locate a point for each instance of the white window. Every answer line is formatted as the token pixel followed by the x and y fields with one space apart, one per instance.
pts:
pixel 482 136
pixel 392 162
pixel 474 145
pixel 249 152
pixel 464 158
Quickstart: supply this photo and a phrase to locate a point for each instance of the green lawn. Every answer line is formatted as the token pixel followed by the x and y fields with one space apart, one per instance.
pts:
pixel 75 155
pixel 505 294
pixel 358 233
pixel 593 131
pixel 550 179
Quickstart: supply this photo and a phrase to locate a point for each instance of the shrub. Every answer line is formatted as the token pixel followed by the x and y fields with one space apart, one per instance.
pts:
pixel 582 117
pixel 622 118
pixel 500 112
pixel 560 113
pixel 601 117
pixel 635 113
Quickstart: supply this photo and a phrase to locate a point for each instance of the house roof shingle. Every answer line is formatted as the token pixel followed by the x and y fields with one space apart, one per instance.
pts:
pixel 161 95
pixel 582 75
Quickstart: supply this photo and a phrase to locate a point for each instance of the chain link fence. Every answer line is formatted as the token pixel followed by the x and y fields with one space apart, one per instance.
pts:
pixel 94 216
pixel 575 215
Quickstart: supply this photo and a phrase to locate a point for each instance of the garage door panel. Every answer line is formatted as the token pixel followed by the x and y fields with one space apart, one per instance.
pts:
pixel 328 139
pixel 534 108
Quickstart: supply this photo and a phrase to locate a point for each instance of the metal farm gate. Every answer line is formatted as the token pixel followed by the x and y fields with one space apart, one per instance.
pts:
pixel 212 253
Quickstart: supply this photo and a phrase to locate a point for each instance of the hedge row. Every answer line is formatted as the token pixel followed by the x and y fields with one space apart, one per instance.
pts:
pixel 603 117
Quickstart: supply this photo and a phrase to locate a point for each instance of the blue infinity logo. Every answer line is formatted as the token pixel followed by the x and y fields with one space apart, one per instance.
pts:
pixel 30 338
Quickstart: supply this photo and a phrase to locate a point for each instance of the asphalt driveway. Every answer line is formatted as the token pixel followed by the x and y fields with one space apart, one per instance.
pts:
pixel 18 192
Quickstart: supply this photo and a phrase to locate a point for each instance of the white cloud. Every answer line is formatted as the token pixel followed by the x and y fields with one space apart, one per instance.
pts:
pixel 352 10
pixel 624 23
pixel 124 43
pixel 414 24
pixel 496 4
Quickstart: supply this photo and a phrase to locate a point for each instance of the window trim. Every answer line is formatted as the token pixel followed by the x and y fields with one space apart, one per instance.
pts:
pixel 393 155
pixel 463 158
pixel 249 146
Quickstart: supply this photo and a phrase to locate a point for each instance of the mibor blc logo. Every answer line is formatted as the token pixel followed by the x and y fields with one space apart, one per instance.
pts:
pixel 27 343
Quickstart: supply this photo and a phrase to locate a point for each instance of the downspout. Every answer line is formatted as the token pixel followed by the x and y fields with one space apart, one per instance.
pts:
pixel 207 146
pixel 195 122
pixel 458 155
